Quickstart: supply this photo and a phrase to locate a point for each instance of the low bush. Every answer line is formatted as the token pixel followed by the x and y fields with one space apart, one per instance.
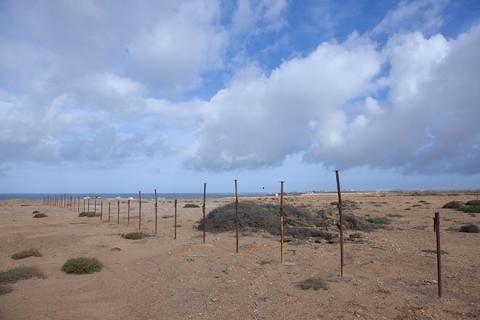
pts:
pixel 137 235
pixel 315 283
pixel 473 203
pixel 379 220
pixel 469 228
pixel 26 253
pixel 453 205
pixel 35 211
pixel 40 215
pixel 20 273
pixel 82 265
pixel 89 214
pixel 191 205
pixel 471 209
pixel 5 290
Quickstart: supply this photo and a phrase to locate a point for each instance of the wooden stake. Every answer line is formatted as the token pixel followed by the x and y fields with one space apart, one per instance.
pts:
pixel 282 221
pixel 236 214
pixel 156 210
pixel 139 210
pixel 175 220
pixel 203 209
pixel 341 220
pixel 128 212
pixel 436 228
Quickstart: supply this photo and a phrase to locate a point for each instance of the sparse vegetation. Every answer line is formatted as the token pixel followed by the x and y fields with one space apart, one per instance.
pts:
pixel 379 220
pixel 346 204
pixel 191 205
pixel 137 235
pixel 89 214
pixel 434 251
pixel 5 290
pixel 35 211
pixel 394 215
pixel 471 209
pixel 26 253
pixel 469 228
pixel 40 215
pixel 82 265
pixel 315 283
pixel 453 205
pixel 473 203
pixel 20 273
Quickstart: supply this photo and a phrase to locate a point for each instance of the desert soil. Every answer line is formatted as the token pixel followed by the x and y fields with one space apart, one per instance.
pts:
pixel 388 275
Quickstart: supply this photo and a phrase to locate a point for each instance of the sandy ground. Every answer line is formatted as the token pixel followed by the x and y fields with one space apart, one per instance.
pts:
pixel 387 275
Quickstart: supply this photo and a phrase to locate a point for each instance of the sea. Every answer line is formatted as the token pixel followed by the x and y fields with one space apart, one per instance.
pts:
pixel 147 196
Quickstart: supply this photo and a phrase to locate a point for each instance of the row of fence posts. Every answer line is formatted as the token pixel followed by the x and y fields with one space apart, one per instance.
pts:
pixel 66 201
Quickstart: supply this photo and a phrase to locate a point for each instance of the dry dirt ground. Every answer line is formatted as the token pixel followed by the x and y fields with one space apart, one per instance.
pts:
pixel 387 273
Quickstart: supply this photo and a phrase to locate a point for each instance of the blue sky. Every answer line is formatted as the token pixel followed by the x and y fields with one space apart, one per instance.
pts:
pixel 115 96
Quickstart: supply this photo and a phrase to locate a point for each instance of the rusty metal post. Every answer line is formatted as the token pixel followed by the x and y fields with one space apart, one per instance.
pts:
pixel 118 211
pixel 436 229
pixel 78 203
pixel 156 210
pixel 139 210
pixel 128 212
pixel 109 211
pixel 203 209
pixel 236 215
pixel 101 209
pixel 175 220
pixel 83 204
pixel 282 223
pixel 95 205
pixel 88 204
pixel 341 220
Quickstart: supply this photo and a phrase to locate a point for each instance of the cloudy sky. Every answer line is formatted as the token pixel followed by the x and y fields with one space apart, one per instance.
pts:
pixel 120 96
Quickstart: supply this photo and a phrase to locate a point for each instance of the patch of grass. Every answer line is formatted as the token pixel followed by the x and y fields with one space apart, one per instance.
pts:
pixel 89 214
pixel 469 228
pixel 82 265
pixel 434 251
pixel 394 215
pixel 416 205
pixel 264 262
pixel 26 253
pixel 137 235
pixel 191 205
pixel 379 220
pixel 40 215
pixel 473 203
pixel 35 211
pixel 5 290
pixel 315 283
pixel 167 216
pixel 20 273
pixel 346 204
pixel 453 205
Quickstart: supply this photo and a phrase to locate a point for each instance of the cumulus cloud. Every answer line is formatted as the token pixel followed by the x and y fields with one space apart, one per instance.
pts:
pixel 309 106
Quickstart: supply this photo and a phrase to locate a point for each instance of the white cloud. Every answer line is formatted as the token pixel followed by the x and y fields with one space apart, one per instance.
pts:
pixel 427 123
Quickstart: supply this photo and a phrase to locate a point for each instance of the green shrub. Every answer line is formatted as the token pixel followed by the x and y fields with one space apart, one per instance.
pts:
pixel 82 265
pixel 453 205
pixel 20 273
pixel 471 209
pixel 469 228
pixel 315 283
pixel 473 203
pixel 26 253
pixel 137 235
pixel 40 215
pixel 191 205
pixel 89 214
pixel 379 220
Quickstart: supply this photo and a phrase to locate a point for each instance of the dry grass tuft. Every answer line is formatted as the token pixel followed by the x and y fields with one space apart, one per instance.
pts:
pixel 137 235
pixel 40 215
pixel 20 273
pixel 315 283
pixel 26 253
pixel 82 265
